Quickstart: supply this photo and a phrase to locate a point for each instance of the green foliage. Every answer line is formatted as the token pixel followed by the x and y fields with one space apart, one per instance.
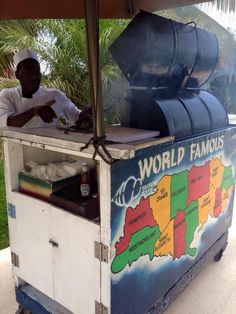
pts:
pixel 62 47
pixel 15 34
pixel 8 83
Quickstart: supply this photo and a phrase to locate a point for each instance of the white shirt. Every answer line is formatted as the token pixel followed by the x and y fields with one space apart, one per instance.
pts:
pixel 12 102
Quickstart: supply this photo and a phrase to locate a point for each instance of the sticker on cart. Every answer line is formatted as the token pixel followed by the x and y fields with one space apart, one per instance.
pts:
pixel 166 222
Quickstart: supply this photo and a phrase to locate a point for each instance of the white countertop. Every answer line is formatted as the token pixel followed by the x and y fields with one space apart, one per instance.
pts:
pixel 122 142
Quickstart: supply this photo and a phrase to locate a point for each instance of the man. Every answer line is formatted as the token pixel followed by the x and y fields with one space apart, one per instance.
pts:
pixel 32 106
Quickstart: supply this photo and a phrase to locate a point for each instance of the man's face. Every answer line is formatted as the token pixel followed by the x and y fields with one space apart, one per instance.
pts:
pixel 28 73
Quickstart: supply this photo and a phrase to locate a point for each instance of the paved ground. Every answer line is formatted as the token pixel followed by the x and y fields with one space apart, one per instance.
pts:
pixel 8 304
pixel 213 291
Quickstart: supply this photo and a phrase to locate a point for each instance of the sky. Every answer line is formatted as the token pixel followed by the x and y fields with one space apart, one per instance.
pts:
pixel 226 19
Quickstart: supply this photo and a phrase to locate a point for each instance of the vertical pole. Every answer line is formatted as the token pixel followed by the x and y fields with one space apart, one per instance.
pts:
pixel 92 27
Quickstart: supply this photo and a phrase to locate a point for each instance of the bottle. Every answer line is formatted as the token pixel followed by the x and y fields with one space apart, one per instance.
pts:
pixel 85 181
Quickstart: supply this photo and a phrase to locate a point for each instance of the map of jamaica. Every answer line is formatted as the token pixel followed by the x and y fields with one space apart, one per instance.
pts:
pixel 165 222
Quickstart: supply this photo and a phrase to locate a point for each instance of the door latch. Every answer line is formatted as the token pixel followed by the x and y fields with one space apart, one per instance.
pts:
pixel 53 243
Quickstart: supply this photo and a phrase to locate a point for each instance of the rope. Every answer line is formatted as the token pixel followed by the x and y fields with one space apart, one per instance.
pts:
pixel 99 148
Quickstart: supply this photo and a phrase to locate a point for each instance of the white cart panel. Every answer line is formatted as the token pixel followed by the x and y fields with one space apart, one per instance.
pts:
pixel 76 271
pixel 29 240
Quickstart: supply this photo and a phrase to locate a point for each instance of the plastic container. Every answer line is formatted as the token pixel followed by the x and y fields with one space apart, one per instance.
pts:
pixel 85 181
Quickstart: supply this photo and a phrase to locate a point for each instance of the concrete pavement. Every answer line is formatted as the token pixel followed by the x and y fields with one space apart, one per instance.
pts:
pixel 8 304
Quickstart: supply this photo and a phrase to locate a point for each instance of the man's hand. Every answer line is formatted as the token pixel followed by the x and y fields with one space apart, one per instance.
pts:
pixel 45 112
pixel 85 120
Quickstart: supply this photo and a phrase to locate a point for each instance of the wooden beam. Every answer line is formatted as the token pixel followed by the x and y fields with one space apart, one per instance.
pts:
pixel 39 9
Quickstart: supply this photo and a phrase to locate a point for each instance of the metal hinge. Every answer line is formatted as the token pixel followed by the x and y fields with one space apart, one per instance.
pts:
pixel 100 308
pixel 11 209
pixel 15 259
pixel 101 251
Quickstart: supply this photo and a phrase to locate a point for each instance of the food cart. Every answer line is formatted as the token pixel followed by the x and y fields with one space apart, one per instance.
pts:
pixel 164 206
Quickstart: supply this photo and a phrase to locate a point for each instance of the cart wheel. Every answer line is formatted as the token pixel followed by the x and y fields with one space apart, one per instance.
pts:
pixel 218 256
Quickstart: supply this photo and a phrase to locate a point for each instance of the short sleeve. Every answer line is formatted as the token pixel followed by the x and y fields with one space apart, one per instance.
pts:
pixel 7 107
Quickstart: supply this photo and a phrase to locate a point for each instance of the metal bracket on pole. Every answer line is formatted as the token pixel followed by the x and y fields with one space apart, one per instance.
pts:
pixel 11 209
pixel 101 252
pixel 100 308
pixel 15 259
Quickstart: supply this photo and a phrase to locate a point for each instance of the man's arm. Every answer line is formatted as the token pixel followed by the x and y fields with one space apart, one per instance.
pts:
pixel 9 116
pixel 45 112
pixel 20 119
pixel 82 119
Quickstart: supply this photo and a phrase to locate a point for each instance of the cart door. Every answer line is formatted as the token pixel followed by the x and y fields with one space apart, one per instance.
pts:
pixel 29 231
pixel 76 271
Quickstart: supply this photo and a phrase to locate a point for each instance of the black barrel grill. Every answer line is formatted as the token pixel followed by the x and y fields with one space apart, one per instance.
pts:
pixel 166 63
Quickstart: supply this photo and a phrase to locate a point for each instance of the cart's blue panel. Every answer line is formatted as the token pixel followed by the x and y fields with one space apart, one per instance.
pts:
pixel 170 204
pixel 36 302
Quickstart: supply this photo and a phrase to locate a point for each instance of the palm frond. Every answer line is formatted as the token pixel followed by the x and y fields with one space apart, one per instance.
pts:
pixel 15 34
pixel 77 92
pixel 109 74
pixel 8 83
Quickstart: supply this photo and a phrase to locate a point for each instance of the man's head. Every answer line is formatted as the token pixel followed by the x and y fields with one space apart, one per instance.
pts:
pixel 27 71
